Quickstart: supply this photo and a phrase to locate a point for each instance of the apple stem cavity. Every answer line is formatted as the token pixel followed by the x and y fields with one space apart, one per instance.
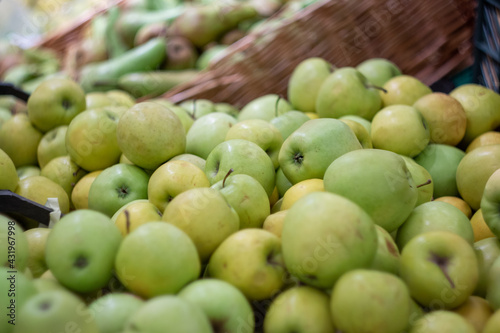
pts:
pixel 298 158
pixel 218 325
pixel 66 104
pixel 442 263
pixel 225 177
pixel 369 85
pixel 426 183
pixel 44 306
pixel 122 191
pixel 81 262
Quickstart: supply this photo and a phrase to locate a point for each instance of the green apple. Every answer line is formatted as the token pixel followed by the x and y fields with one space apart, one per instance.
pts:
pixel 5 114
pixel 347 91
pixel 474 171
pixel 186 119
pixel 198 108
pixel 385 189
pixel 244 157
pixel 367 124
pixel 39 189
pixel 360 131
pixel 173 178
pixel 205 216
pixel 17 289
pixel 196 160
pixel 445 117
pixel 387 255
pixel 400 129
pixel 207 132
pixel 168 313
pixel 308 151
pixel 117 186
pixel 480 104
pixel 120 98
pixel 63 171
pixel 81 248
pixel 250 260
pixel 288 122
pixel 378 70
pixel 325 235
pixel 282 183
pixel 37 239
pixel 247 197
pixel 441 161
pixel 28 171
pixel 19 139
pixel 112 311
pixel 367 301
pixel 433 216
pixel 135 213
pixel 305 82
pixel 490 203
pixel 157 258
pixel 493 323
pixel 440 268
pixel 8 173
pixel 227 109
pixel 260 132
pixel 150 134
pixel 224 305
pixel 97 99
pixel 487 251
pixel 55 102
pixel 302 310
pixel 14 247
pixel 493 285
pixel 52 145
pixel 265 107
pixel 421 177
pixel 91 139
pixel 403 89
pixel 55 311
pixel 442 322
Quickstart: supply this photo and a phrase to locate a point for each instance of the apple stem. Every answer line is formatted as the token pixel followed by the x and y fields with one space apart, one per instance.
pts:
pixel 225 177
pixel 332 68
pixel 194 108
pixel 276 106
pixel 426 183
pixel 369 85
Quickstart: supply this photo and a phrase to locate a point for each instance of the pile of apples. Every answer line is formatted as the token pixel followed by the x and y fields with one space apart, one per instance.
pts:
pixel 362 202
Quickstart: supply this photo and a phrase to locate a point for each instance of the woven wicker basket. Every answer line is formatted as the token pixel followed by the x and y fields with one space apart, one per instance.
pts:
pixel 427 39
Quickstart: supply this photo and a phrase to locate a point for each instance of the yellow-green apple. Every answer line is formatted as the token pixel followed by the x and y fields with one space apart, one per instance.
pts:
pixel 207 132
pixel 80 193
pixel 261 132
pixel 493 285
pixel 205 216
pixel 42 284
pixel 421 177
pixel 8 173
pixel 445 117
pixel 301 189
pixel 63 171
pixel 441 161
pixel 250 260
pixel 149 134
pixel 381 299
pixel 196 160
pixel 300 309
pixel 14 250
pixel 490 203
pixel 19 139
pixel 55 102
pixel 168 313
pixel 487 251
pixel 37 239
pixel 485 139
pixel 52 145
pixel 135 213
pixel 367 124
pixel 247 197
pixel 305 82
pixel 17 289
pixel 198 108
pixel 225 306
pixel 474 171
pixel 442 321
pixel 186 119
pixel 244 157
pixel 265 107
pixel 91 139
pixel 433 216
pixel 459 203
pixel 400 129
pixel 378 70
pixel 476 310
pixel 120 98
pixel 347 91
pixel 28 171
pixel 403 89
pixel 97 99
pixel 227 108
pixel 81 248
pixel 308 151
pixel 389 192
pixel 387 255
pixel 171 179
pixel 40 188
pixel 112 311
pixel 493 323
pixel 143 267
pixel 55 311
pixel 288 122
pixel 360 131
pixel 124 159
pixel 282 183
pixel 5 114
pixel 440 268
pixel 116 186
pixel 274 222
pixel 481 105
pixel 325 235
